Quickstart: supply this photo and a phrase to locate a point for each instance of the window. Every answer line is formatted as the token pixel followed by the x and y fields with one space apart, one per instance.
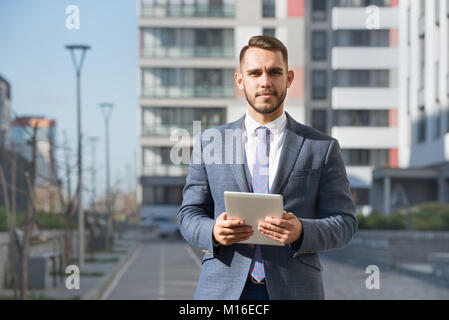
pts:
pixel 319 45
pixel 268 9
pixel 361 118
pixel 422 8
pixel 154 195
pixel 437 126
pixel 362 3
pixel 319 10
pixel 422 61
pixel 366 157
pixel 319 120
pixel 269 32
pixel 319 85
pixel 421 125
pixel 362 78
pixel 362 38
pixel 437 12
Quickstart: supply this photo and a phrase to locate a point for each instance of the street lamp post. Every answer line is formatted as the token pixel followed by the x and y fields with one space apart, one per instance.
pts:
pixel 93 141
pixel 78 66
pixel 107 110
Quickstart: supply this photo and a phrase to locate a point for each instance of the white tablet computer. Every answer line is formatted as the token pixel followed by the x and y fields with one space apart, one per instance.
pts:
pixel 254 207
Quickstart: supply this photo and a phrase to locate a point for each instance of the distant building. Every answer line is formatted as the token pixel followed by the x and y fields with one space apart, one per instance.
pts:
pixel 5 110
pixel 22 132
pixel 423 173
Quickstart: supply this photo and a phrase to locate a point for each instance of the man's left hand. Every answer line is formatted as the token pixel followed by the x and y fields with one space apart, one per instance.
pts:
pixel 284 230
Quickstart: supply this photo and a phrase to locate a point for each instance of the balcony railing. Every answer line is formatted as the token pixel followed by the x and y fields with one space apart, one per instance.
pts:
pixel 223 91
pixel 164 170
pixel 362 3
pixel 189 52
pixel 187 10
pixel 167 129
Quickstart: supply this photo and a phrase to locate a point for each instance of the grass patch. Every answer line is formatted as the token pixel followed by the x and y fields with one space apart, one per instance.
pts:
pixel 82 274
pixel 102 260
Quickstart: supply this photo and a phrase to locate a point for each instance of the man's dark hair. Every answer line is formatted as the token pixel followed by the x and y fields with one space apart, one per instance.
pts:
pixel 267 43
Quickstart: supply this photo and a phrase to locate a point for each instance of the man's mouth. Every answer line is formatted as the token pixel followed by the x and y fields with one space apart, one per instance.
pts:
pixel 266 94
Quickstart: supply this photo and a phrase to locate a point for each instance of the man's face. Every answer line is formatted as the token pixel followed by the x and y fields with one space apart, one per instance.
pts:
pixel 264 78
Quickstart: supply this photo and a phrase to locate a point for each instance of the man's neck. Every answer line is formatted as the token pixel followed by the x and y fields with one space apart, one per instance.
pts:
pixel 265 118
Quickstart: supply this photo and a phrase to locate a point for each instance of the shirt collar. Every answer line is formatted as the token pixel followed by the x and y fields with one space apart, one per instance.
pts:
pixel 276 126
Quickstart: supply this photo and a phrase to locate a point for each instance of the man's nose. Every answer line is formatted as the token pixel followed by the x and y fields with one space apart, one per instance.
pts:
pixel 265 80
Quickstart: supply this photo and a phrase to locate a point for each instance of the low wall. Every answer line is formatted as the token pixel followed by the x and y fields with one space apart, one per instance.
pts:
pixel 390 248
pixel 54 241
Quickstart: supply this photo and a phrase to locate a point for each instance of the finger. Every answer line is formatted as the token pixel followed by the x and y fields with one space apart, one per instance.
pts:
pixel 235 238
pixel 232 231
pixel 276 221
pixel 231 223
pixel 274 236
pixel 271 227
pixel 290 216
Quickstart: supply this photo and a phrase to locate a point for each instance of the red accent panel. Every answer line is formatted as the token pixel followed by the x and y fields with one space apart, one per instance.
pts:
pixel 295 8
pixel 394 3
pixel 394 161
pixel 394 36
pixel 393 118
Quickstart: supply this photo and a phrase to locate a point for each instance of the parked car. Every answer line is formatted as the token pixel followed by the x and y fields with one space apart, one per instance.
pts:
pixel 168 226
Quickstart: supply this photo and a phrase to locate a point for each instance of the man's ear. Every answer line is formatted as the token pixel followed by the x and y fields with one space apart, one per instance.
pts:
pixel 239 80
pixel 290 77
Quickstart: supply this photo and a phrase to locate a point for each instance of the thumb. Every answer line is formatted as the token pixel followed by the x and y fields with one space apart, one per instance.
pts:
pixel 224 216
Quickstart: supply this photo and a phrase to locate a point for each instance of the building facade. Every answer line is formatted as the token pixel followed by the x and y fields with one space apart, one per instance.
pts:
pixel 352 84
pixel 423 173
pixel 5 110
pixel 188 55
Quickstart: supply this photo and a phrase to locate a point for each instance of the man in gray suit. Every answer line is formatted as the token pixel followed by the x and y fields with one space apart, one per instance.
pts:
pixel 302 164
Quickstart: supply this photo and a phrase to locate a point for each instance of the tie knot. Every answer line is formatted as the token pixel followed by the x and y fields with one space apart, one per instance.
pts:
pixel 262 132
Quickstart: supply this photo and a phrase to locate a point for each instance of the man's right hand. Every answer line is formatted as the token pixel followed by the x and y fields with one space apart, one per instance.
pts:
pixel 228 231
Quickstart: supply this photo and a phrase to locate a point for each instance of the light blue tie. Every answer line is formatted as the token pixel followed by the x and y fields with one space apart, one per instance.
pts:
pixel 260 185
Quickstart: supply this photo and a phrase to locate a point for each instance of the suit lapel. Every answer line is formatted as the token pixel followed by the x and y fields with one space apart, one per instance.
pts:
pixel 240 170
pixel 292 144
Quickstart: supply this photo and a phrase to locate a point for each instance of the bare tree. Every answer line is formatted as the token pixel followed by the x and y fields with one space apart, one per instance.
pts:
pixel 10 220
pixel 69 202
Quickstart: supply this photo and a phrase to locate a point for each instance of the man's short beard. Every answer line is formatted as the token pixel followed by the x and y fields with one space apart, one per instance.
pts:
pixel 273 107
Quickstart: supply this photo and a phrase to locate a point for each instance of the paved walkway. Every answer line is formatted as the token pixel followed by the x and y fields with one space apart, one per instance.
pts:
pixel 343 281
pixel 149 268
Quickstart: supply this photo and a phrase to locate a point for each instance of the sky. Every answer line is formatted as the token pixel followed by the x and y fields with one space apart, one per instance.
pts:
pixel 33 58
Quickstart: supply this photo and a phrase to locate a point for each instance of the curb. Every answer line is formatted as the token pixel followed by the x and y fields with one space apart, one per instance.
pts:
pixel 97 293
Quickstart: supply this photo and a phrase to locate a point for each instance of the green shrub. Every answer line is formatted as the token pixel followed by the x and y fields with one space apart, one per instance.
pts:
pixel 46 221
pixel 425 216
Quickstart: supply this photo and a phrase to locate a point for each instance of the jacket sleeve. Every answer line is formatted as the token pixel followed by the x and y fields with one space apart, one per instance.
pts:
pixel 196 214
pixel 336 221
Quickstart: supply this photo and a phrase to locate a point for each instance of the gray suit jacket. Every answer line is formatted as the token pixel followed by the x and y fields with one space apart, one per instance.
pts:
pixel 313 181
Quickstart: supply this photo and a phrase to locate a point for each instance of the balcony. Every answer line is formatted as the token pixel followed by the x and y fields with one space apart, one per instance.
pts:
pixel 151 10
pixel 189 52
pixel 372 58
pixel 165 170
pixel 364 98
pixel 201 91
pixel 366 137
pixel 167 129
pixel 357 18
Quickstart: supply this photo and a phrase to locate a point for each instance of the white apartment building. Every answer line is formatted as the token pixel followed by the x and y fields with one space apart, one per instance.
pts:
pixel 423 110
pixel 352 84
pixel 188 54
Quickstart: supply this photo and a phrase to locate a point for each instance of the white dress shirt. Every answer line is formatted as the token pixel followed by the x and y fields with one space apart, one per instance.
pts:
pixel 277 130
